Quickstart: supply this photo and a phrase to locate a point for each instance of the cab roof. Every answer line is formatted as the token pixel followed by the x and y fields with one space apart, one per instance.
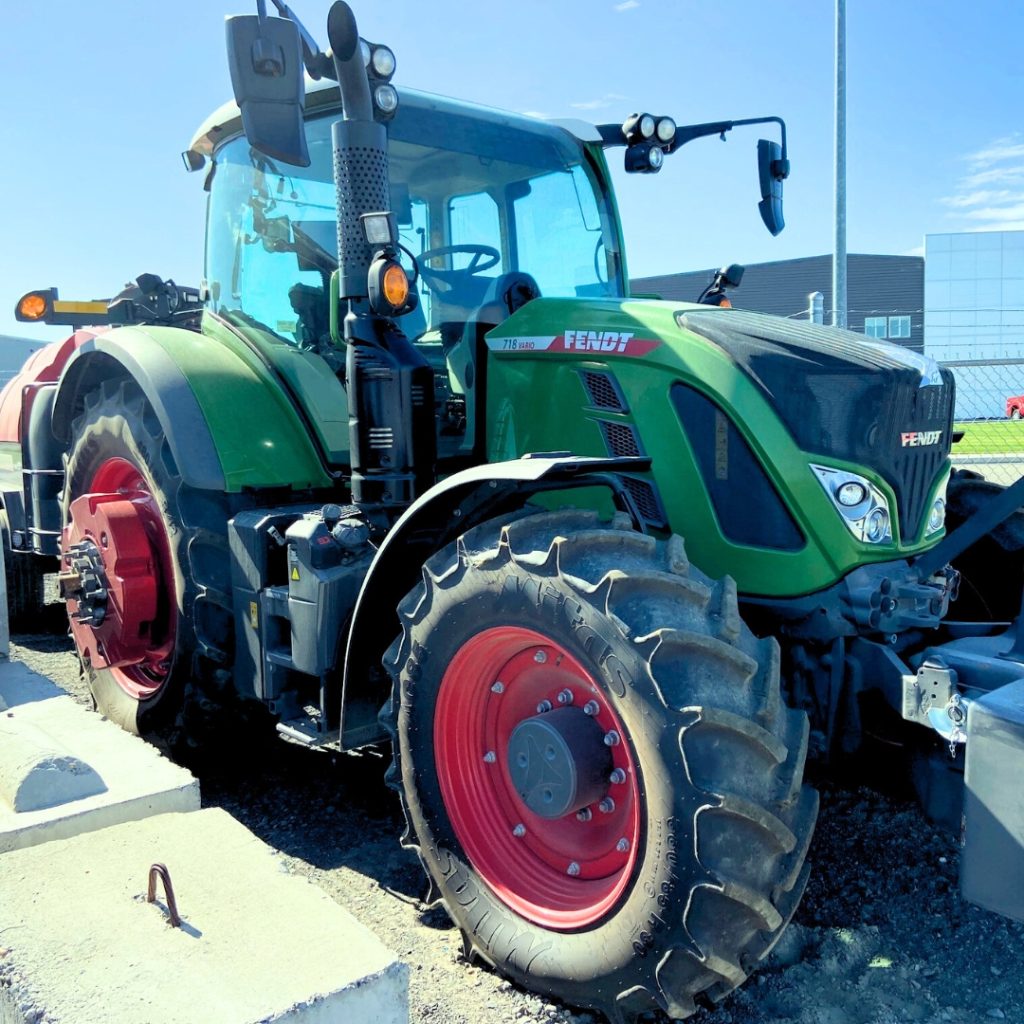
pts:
pixel 321 96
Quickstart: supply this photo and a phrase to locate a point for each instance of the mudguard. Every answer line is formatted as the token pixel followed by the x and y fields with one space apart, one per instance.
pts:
pixel 228 422
pixel 447 510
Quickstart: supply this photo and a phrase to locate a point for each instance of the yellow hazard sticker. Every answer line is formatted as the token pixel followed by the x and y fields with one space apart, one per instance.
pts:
pixel 254 615
pixel 295 572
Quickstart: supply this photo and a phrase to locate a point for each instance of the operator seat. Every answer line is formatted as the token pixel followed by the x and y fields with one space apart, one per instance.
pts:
pixel 466 355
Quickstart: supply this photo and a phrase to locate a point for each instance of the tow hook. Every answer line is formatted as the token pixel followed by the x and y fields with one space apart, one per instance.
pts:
pixel 931 698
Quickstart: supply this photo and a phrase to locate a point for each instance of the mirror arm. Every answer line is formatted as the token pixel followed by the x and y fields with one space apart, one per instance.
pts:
pixel 612 135
pixel 318 65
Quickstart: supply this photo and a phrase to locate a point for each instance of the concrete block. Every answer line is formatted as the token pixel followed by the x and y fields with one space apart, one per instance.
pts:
pixel 45 738
pixel 36 772
pixel 79 944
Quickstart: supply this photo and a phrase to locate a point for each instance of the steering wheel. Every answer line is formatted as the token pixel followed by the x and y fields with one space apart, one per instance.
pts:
pixel 443 281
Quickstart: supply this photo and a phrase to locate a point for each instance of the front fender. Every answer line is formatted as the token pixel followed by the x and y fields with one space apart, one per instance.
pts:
pixel 435 519
pixel 227 421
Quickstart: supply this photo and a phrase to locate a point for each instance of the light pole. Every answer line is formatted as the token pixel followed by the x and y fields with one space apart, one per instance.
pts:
pixel 839 247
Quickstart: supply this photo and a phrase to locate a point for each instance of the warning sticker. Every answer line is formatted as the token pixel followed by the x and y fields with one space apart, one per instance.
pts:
pixel 295 572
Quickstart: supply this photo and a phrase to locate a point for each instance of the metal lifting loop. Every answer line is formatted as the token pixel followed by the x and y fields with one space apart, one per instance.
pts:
pixel 160 870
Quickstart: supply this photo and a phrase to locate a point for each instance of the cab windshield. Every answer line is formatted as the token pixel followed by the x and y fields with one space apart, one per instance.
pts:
pixel 484 204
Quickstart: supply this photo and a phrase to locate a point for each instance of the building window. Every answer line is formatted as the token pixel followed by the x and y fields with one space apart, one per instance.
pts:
pixel 874 326
pixel 899 327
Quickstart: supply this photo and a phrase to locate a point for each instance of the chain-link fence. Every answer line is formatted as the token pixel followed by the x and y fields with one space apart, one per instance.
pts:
pixel 990 413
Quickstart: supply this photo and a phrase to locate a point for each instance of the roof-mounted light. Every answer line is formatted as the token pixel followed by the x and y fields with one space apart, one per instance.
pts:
pixel 382 62
pixel 385 99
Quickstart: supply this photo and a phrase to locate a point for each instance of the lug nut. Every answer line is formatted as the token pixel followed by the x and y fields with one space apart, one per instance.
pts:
pixel 540 657
pixel 585 814
pixel 498 687
pixel 591 707
pixel 489 757
pixel 519 831
pixel 565 696
pixel 607 805
pixel 617 777
pixel 611 738
pixel 622 845
pixel 543 707
pixel 573 869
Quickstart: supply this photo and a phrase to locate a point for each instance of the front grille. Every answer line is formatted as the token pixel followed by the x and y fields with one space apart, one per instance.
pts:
pixel 915 468
pixel 621 439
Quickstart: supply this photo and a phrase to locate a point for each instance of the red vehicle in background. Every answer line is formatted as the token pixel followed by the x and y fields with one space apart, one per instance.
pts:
pixel 1015 407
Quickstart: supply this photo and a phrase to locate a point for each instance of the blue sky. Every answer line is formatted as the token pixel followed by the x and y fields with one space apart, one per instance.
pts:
pixel 97 100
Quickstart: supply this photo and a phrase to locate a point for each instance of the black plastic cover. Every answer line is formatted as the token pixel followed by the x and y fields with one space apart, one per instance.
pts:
pixel 842 396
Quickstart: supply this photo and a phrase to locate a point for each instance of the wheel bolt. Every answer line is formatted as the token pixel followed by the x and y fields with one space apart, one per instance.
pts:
pixel 543 707
pixel 573 869
pixel 565 696
pixel 498 687
pixel 540 657
pixel 585 814
pixel 622 845
pixel 591 707
pixel 607 805
pixel 611 738
pixel 519 831
pixel 617 777
pixel 489 757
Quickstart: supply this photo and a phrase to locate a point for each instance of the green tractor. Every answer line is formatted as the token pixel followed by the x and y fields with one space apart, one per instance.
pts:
pixel 412 465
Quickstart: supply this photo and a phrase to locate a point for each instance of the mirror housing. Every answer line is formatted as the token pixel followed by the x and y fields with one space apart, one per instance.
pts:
pixel 732 275
pixel 772 171
pixel 265 58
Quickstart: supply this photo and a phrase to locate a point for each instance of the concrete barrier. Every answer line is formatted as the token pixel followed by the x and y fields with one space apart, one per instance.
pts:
pixel 66 770
pixel 80 944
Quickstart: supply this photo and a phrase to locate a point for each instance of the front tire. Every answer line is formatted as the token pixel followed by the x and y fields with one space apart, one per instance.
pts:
pixel 675 890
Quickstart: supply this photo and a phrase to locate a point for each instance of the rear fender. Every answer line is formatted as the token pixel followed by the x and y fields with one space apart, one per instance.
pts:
pixel 227 421
pixel 446 511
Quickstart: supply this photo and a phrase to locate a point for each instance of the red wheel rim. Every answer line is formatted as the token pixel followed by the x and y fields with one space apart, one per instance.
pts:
pixel 564 873
pixel 117 521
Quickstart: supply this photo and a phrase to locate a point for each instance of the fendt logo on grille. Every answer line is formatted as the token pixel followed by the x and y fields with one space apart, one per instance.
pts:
pixel 920 438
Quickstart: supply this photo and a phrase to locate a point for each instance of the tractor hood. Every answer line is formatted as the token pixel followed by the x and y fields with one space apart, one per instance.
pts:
pixel 859 401
pixel 733 408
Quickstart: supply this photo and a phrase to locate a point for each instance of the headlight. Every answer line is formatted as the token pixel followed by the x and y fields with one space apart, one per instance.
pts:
pixel 937 513
pixel 851 493
pixel 862 506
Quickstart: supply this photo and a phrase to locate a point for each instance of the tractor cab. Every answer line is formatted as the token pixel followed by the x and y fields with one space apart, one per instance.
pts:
pixel 477 196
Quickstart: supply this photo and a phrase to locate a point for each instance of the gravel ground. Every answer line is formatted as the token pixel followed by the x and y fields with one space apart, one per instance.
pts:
pixel 881 936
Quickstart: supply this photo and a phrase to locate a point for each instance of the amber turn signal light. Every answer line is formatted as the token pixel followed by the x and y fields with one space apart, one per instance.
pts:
pixel 395 285
pixel 32 306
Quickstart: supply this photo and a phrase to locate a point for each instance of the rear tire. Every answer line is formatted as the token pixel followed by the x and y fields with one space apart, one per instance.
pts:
pixel 712 757
pixel 118 444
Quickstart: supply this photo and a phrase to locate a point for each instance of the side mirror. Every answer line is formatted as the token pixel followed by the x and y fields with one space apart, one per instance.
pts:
pixel 772 170
pixel 732 275
pixel 265 58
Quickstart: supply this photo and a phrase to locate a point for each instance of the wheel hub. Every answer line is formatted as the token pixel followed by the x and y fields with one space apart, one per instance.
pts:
pixel 110 577
pixel 558 762
pixel 85 581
